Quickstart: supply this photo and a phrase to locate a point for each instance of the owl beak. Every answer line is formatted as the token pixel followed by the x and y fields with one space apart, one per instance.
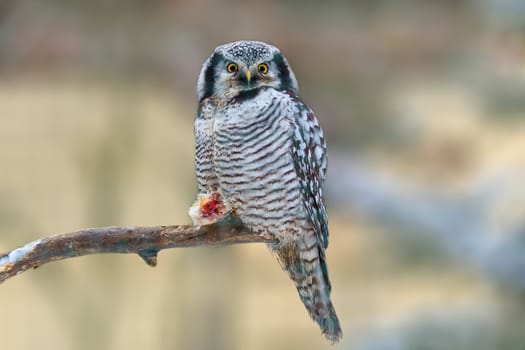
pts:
pixel 248 76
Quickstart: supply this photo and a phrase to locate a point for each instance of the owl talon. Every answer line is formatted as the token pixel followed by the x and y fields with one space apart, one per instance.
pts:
pixel 208 209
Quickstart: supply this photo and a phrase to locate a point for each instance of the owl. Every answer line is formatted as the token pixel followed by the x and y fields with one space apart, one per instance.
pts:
pixel 261 154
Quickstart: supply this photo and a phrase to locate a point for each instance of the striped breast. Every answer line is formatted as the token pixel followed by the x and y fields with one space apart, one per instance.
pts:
pixel 204 165
pixel 253 161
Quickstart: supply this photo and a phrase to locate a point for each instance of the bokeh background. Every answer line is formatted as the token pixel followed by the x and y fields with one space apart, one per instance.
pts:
pixel 423 105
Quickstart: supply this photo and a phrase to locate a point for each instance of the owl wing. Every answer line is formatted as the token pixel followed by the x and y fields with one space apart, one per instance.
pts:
pixel 310 161
pixel 204 157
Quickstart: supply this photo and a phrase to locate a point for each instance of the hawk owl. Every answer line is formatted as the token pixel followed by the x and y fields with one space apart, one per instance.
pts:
pixel 262 150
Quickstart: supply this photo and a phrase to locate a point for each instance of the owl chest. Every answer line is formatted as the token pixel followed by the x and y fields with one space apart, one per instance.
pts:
pixel 253 162
pixel 250 143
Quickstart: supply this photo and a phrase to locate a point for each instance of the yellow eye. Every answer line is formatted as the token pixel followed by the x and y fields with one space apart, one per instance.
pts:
pixel 232 68
pixel 263 68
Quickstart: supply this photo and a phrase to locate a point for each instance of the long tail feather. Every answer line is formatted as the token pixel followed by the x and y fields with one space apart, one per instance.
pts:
pixel 305 263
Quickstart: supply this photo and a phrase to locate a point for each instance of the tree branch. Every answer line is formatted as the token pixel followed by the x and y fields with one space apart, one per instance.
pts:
pixel 144 241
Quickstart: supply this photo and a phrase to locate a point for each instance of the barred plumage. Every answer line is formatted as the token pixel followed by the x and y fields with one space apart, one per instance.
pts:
pixel 262 149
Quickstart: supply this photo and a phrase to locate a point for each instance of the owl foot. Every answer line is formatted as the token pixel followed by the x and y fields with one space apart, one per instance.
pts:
pixel 208 208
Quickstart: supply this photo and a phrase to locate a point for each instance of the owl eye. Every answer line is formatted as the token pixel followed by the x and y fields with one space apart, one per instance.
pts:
pixel 263 68
pixel 232 68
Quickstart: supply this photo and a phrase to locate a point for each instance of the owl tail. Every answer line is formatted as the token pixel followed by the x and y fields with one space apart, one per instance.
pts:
pixel 305 263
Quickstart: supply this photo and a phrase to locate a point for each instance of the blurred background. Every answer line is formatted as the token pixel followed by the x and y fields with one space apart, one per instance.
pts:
pixel 423 105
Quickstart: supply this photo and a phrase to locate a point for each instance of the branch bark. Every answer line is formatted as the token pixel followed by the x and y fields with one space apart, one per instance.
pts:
pixel 144 241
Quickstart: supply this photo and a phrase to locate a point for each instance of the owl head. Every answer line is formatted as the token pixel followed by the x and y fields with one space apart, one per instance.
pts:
pixel 244 65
